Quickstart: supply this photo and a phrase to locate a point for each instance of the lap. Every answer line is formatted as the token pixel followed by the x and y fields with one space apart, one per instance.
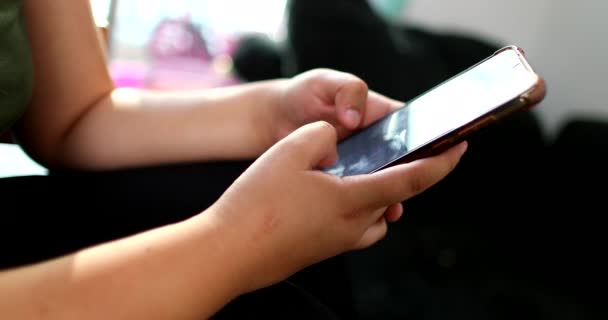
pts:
pixel 43 217
pixel 47 216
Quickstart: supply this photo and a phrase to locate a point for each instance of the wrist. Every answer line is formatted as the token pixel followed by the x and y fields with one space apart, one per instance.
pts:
pixel 243 240
pixel 224 245
pixel 275 113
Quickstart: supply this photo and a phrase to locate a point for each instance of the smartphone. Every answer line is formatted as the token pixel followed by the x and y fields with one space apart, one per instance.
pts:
pixel 487 92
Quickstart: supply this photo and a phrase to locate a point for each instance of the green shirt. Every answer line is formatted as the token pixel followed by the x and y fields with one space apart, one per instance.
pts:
pixel 16 71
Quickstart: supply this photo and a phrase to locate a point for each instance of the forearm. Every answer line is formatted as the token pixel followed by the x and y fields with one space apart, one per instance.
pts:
pixel 132 127
pixel 182 271
pixel 75 120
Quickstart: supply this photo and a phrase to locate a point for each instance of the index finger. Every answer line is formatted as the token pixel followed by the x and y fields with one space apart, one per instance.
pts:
pixel 401 182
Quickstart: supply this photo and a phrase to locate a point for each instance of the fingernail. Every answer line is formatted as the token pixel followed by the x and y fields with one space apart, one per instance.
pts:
pixel 463 147
pixel 353 117
pixel 398 104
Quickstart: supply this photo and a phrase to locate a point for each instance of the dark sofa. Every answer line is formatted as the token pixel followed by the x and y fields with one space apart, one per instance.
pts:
pixel 513 233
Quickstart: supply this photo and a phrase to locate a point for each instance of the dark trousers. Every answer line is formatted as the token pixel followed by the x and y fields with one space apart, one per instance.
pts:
pixel 44 217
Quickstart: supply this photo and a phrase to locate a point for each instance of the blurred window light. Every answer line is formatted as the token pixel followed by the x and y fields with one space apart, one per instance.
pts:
pixel 225 16
pixel 101 12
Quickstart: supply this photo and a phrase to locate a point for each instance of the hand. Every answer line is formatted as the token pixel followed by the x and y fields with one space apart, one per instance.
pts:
pixel 285 215
pixel 339 98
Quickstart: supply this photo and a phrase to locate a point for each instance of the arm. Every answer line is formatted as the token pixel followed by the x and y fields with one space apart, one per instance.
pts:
pixel 78 119
pixel 182 271
pixel 280 216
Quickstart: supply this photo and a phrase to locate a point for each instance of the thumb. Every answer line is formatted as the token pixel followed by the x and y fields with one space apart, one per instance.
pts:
pixel 312 145
pixel 348 95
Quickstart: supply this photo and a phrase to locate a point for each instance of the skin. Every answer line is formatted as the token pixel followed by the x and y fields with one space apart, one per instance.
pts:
pixel 280 216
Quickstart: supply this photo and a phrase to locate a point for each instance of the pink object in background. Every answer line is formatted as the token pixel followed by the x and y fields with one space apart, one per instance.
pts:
pixel 177 57
pixel 180 58
pixel 182 44
pixel 130 74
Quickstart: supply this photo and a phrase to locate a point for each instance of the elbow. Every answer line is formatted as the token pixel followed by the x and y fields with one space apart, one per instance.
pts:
pixel 44 151
pixel 57 143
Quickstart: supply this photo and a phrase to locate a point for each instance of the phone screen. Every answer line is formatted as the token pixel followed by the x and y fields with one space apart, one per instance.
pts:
pixel 447 107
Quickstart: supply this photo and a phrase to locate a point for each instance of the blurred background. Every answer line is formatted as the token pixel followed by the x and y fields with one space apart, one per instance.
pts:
pixel 181 44
pixel 565 40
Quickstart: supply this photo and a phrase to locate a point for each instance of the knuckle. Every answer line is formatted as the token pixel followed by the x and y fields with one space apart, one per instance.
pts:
pixel 359 86
pixel 382 230
pixel 318 74
pixel 446 165
pixel 417 183
pixel 324 125
pixel 363 245
pixel 349 240
pixel 293 146
pixel 321 70
pixel 327 129
pixel 375 234
pixel 453 163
